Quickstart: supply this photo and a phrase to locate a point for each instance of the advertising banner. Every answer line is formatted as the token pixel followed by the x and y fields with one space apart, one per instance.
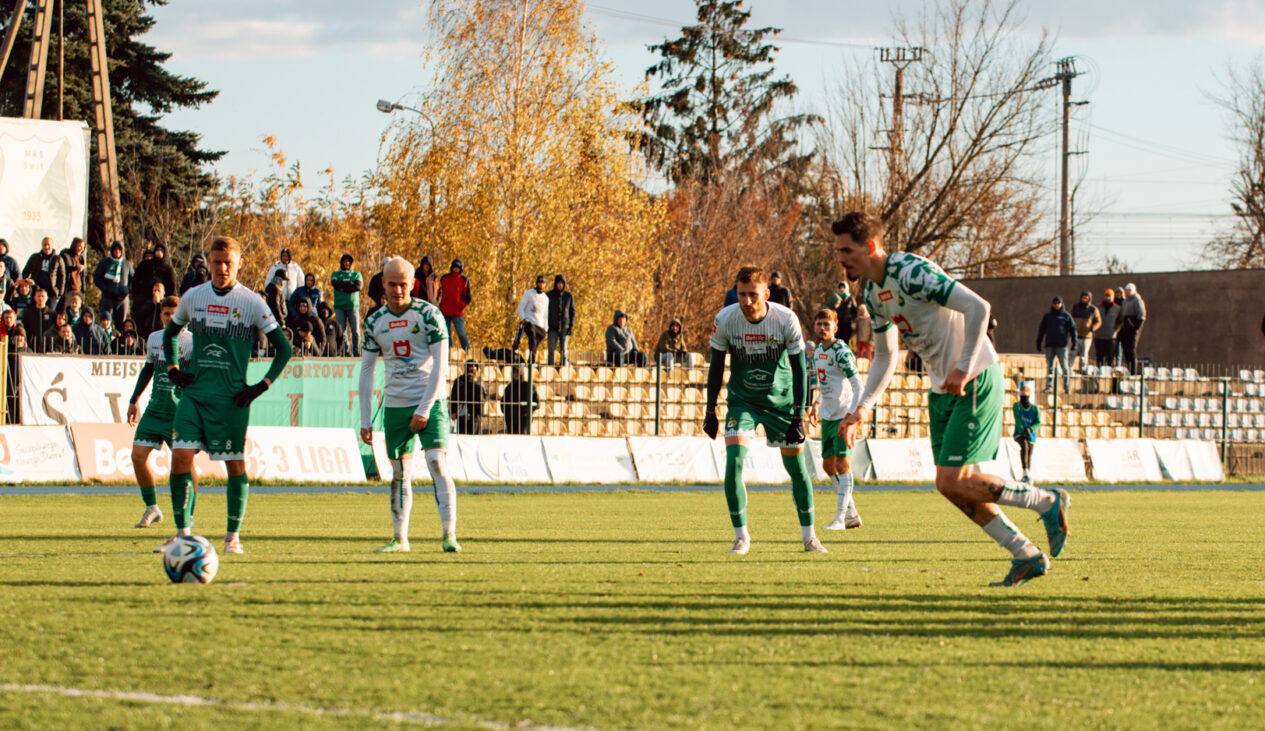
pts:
pixel 1174 462
pixel 671 459
pixel 418 472
pixel 307 454
pixel 1053 460
pixel 578 460
pixel 902 460
pixel 105 454
pixel 43 182
pixel 37 454
pixel 1205 461
pixel 1124 460
pixel 503 458
pixel 763 465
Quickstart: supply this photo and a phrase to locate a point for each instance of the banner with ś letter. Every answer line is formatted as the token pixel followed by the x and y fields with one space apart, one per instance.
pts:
pixel 105 454
pixel 37 454
pixel 674 459
pixel 43 183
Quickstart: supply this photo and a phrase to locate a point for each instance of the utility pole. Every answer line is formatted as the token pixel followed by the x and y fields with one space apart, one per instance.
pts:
pixel 1067 260
pixel 900 58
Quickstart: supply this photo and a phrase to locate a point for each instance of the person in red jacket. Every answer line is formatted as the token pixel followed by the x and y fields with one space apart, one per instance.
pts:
pixel 454 295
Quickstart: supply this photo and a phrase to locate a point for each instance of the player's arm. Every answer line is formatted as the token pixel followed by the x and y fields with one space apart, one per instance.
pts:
pixel 368 363
pixel 715 379
pixel 283 353
pixel 882 368
pixel 799 392
pixel 975 310
pixel 434 387
pixel 171 355
pixel 142 381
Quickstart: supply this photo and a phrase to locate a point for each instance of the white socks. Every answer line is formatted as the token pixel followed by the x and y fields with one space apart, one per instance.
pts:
pixel 401 499
pixel 807 532
pixel 445 490
pixel 1000 529
pixel 843 493
pixel 741 533
pixel 1023 495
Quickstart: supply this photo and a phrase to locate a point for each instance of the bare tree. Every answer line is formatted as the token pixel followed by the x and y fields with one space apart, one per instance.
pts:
pixel 1244 101
pixel 968 186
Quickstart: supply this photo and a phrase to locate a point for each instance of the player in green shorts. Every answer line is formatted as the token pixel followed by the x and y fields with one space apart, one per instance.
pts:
pixel 226 319
pixel 767 387
pixel 944 323
pixel 838 392
pixel 412 339
pixel 154 428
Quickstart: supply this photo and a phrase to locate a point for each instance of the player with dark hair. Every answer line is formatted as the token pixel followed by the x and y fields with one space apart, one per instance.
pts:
pixel 944 323
pixel 767 387
pixel 838 392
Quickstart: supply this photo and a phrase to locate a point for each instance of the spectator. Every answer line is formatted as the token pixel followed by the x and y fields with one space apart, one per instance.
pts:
pixel 1088 319
pixel 63 341
pixel 731 296
pixel 6 283
pixel 11 269
pixel 1057 333
pixel 308 291
pixel 621 344
pixel 845 310
pixel 1132 317
pixel 38 320
pixel 72 306
pixel 274 295
pixel 518 401
pixel 533 318
pixel 17 341
pixel 126 343
pixel 293 273
pixel 91 337
pixel 196 274
pixel 864 333
pixel 302 315
pixel 47 270
pixel 778 293
pixel 305 345
pixel 75 261
pixel 377 294
pixel 1027 422
pixel 151 270
pixel 113 279
pixel 454 296
pixel 1105 335
pixel 670 349
pixel 347 284
pixel 148 314
pixel 23 295
pixel 333 335
pixel 105 323
pixel 426 283
pixel 465 403
pixel 8 320
pixel 561 318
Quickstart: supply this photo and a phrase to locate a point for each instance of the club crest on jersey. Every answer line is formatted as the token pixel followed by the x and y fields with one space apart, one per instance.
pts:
pixel 885 295
pixel 416 329
pixel 754 338
pixel 237 314
pixel 398 323
pixel 402 348
pixel 217 309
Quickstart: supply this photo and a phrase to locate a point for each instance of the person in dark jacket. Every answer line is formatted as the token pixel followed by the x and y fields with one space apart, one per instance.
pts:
pixel 274 295
pixel 778 293
pixel 1132 317
pixel 22 296
pixel 377 294
pixel 113 279
pixel 426 282
pixel 39 320
pixel 1058 334
pixel 454 296
pixel 11 269
pixel 126 343
pixel 670 349
pixel 518 401
pixel 75 261
pixel 1105 335
pixel 333 334
pixel 303 314
pixel 561 318
pixel 465 404
pixel 154 269
pixel 91 337
pixel 1088 320
pixel 308 291
pixel 148 313
pixel 196 274
pixel 731 296
pixel 621 344
pixel 48 271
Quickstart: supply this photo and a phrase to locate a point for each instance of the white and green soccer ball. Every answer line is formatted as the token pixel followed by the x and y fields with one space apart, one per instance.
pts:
pixel 190 559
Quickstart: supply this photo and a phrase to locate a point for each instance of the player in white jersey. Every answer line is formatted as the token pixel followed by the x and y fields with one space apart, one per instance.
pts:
pixel 410 336
pixel 153 429
pixel 944 323
pixel 838 393
pixel 768 383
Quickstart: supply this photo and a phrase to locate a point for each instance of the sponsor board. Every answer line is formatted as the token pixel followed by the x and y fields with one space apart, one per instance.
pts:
pixel 418 472
pixel 576 460
pixel 763 465
pixel 503 459
pixel 1053 460
pixel 1205 460
pixel 105 454
pixel 673 459
pixel 1124 460
pixel 44 183
pixel 37 454
pixel 1174 462
pixel 902 460
pixel 304 453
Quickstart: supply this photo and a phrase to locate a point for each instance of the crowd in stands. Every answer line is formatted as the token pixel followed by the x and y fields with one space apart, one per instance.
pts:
pixel 1113 327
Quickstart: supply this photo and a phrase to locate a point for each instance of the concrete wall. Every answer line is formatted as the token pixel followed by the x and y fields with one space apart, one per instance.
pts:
pixel 1192 318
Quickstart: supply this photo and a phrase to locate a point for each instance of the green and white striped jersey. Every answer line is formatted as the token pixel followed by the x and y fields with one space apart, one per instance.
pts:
pixel 759 371
pixel 408 343
pixel 225 328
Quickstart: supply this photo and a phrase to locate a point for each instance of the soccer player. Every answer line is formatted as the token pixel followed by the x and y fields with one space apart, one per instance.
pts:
pixel 411 337
pixel 154 429
pixel 944 323
pixel 226 319
pixel 838 392
pixel 768 384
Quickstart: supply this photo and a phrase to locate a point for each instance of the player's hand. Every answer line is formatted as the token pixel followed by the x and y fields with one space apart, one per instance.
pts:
pixel 814 412
pixel 132 411
pixel 418 422
pixel 366 436
pixel 955 383
pixel 795 431
pixel 850 425
pixel 180 378
pixel 711 425
pixel 243 397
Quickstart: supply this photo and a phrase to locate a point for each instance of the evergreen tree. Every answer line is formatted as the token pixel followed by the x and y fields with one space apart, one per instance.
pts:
pixel 161 172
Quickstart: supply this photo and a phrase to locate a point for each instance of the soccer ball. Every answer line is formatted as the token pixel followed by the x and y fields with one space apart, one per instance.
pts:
pixel 190 559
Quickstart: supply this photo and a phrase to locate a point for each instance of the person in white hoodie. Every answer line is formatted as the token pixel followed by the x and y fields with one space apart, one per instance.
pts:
pixel 293 272
pixel 533 318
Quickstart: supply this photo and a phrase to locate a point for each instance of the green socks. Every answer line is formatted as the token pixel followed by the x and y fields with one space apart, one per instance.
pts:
pixel 238 491
pixel 149 495
pixel 735 491
pixel 183 499
pixel 801 487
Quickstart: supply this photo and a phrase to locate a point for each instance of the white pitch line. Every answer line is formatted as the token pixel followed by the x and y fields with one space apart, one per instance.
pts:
pixel 417 717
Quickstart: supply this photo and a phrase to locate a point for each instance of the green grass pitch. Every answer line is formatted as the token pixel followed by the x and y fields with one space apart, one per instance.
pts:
pixel 621 610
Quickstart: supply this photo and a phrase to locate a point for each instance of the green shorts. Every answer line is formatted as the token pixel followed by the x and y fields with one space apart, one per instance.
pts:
pixel 967 429
pixel 399 435
pixel 833 445
pixel 218 428
pixel 153 430
pixel 742 419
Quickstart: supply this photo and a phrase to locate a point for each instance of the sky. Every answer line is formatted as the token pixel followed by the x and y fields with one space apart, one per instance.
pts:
pixel 1157 165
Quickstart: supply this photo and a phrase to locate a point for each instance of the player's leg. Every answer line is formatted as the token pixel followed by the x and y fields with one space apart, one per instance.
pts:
pixel 187 438
pixel 829 466
pixel 434 440
pixel 1027 561
pixel 237 492
pixel 142 445
pixel 775 424
pixel 399 438
pixel 739 428
pixel 225 425
pixel 851 517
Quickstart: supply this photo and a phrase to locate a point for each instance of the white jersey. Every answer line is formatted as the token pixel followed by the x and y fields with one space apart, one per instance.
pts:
pixel 408 343
pixel 760 374
pixel 154 350
pixel 912 295
pixel 838 381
